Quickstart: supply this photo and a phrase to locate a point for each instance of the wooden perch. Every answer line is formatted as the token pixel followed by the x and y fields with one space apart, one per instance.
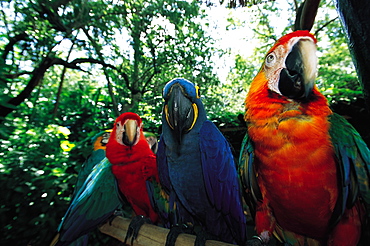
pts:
pixel 148 234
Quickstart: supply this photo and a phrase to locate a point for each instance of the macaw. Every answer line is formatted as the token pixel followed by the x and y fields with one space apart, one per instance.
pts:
pixel 128 164
pixel 197 169
pixel 133 164
pixel 152 140
pixel 99 142
pixel 305 170
pixel 95 199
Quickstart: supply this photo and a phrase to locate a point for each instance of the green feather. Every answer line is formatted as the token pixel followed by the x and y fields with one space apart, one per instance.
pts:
pixel 160 202
pixel 350 147
pixel 246 172
pixel 95 157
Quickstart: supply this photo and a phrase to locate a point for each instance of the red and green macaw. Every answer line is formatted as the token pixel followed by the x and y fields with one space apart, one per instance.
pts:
pixel 305 170
pixel 133 163
pixel 128 164
pixel 152 140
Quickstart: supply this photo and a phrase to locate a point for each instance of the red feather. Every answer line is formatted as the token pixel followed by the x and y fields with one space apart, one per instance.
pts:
pixel 132 166
pixel 296 166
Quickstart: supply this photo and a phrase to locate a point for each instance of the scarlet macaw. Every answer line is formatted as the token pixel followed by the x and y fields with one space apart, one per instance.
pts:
pixel 133 164
pixel 196 167
pixel 129 163
pixel 305 169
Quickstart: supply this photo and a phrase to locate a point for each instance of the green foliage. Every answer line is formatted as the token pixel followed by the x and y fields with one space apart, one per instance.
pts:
pixel 37 178
pixel 337 78
pixel 133 48
pixel 104 58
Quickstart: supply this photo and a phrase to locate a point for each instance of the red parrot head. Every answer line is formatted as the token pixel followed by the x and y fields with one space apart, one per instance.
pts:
pixel 127 141
pixel 290 66
pixel 127 128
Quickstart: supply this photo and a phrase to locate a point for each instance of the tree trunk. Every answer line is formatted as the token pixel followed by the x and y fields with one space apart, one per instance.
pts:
pixel 354 15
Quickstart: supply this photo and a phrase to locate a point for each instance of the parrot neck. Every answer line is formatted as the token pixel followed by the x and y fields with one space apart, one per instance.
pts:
pixel 263 104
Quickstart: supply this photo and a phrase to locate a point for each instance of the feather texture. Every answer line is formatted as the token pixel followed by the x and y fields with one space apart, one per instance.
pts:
pixel 196 166
pixel 93 204
pixel 305 170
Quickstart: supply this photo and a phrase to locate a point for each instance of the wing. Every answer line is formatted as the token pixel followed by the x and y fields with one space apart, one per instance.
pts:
pixel 162 165
pixel 93 204
pixel 159 191
pixel 95 157
pixel 247 174
pixel 159 200
pixel 354 160
pixel 220 176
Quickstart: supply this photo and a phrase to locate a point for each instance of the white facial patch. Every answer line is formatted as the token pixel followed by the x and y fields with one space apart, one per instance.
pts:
pixel 120 129
pixel 275 61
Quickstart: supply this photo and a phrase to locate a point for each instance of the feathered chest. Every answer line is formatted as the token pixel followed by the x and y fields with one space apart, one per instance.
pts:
pixel 288 133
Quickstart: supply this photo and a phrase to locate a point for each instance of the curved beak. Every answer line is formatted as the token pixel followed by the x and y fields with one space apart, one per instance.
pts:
pixel 298 78
pixel 130 137
pixel 179 112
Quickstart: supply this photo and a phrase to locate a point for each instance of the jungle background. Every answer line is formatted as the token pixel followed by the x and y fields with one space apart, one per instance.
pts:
pixel 68 68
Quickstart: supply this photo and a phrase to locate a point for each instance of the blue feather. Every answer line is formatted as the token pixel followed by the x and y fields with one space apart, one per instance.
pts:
pixel 197 168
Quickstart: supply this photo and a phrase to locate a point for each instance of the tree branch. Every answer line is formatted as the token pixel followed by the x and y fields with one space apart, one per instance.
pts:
pixel 326 24
pixel 149 234
pixel 37 75
pixel 60 88
pixel 12 42
pixel 110 87
pixel 306 14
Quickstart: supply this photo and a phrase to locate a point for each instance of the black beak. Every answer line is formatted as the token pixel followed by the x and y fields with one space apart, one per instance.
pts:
pixel 179 112
pixel 298 78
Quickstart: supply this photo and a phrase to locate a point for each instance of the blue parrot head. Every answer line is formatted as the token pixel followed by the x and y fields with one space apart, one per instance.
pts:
pixel 181 106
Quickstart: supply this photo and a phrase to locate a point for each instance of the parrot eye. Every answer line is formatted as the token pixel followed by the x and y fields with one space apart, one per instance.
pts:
pixel 270 59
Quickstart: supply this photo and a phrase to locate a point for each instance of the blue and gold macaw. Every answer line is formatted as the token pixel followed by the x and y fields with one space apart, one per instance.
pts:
pixel 99 142
pixel 197 169
pixel 95 199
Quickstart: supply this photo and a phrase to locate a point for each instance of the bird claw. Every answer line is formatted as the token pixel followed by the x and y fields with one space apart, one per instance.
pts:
pixel 175 231
pixel 114 215
pixel 255 241
pixel 202 236
pixel 134 227
pixel 200 239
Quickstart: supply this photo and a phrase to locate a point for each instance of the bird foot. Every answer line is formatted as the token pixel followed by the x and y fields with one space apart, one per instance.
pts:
pixel 114 215
pixel 175 231
pixel 134 227
pixel 255 241
pixel 202 236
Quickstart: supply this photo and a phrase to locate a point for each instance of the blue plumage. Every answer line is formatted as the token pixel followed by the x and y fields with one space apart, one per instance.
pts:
pixel 196 166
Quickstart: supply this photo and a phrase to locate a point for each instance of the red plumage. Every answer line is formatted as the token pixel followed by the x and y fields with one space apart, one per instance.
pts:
pixel 295 162
pixel 132 165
